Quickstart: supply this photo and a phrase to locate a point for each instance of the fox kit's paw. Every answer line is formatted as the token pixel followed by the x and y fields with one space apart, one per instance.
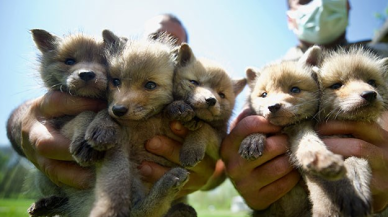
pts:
pixel 181 210
pixel 49 206
pixel 178 177
pixel 180 111
pixel 325 164
pixel 173 181
pixel 193 125
pixel 351 205
pixel 189 157
pixel 84 154
pixel 103 136
pixel 252 146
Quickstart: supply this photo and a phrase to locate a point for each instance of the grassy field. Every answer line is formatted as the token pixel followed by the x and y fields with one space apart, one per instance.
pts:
pixel 14 207
pixel 18 208
pixel 215 203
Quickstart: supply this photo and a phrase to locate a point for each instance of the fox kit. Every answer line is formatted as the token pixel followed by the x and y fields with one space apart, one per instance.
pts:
pixel 287 94
pixel 140 86
pixel 204 99
pixel 76 64
pixel 354 88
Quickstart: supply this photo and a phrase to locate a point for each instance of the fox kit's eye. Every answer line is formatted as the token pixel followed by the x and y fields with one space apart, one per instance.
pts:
pixel 70 61
pixel 150 85
pixel 372 83
pixel 295 90
pixel 194 82
pixel 222 95
pixel 264 94
pixel 116 82
pixel 336 86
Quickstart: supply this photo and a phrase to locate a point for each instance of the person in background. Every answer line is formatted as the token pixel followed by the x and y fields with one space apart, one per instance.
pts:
pixel 263 181
pixel 168 23
pixel 48 150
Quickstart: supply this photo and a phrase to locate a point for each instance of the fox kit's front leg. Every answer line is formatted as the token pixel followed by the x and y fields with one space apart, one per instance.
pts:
pixel 80 149
pixel 311 154
pixel 113 185
pixel 162 194
pixel 197 143
pixel 103 132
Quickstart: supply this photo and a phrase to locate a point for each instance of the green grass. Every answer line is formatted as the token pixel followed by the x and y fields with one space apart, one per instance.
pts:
pixel 215 203
pixel 220 213
pixel 14 207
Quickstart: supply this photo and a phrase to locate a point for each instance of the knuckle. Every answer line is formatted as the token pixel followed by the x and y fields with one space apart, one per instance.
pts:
pixel 360 148
pixel 48 168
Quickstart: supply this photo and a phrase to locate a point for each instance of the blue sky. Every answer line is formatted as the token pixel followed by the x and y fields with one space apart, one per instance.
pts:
pixel 235 33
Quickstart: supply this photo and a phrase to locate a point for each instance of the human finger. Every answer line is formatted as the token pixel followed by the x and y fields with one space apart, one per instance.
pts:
pixel 46 141
pixel 246 112
pixel 170 149
pixel 265 174
pixel 56 104
pixel 178 129
pixel 67 173
pixel 370 132
pixel 272 192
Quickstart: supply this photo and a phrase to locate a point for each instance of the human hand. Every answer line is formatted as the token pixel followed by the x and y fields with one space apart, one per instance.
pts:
pixel 266 179
pixel 45 147
pixel 163 146
pixel 370 142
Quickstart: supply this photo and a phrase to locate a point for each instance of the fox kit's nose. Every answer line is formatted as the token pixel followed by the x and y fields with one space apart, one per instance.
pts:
pixel 369 96
pixel 211 101
pixel 274 108
pixel 87 76
pixel 119 110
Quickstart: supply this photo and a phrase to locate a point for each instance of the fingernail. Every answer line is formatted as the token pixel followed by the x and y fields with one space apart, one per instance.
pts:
pixel 176 126
pixel 145 170
pixel 154 143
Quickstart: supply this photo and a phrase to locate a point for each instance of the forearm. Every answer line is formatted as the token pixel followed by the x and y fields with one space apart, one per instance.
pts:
pixel 14 126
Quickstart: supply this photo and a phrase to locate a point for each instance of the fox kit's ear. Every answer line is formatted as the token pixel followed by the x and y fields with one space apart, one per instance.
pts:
pixel 112 42
pixel 252 73
pixel 185 55
pixel 312 57
pixel 44 40
pixel 384 63
pixel 238 85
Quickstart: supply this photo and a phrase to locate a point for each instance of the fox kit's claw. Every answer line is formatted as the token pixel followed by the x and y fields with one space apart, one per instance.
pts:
pixel 84 154
pixel 252 146
pixel 102 137
pixel 193 125
pixel 190 157
pixel 180 111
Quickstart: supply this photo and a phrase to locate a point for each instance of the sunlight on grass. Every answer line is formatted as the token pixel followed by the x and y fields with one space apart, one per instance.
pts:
pixel 216 202
pixel 14 207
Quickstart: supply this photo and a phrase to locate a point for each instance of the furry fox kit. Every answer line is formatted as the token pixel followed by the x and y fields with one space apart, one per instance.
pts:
pixel 141 86
pixel 204 99
pixel 354 88
pixel 287 94
pixel 76 64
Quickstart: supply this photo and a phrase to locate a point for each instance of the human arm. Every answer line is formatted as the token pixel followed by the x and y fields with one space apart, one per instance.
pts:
pixel 370 142
pixel 42 144
pixel 266 179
